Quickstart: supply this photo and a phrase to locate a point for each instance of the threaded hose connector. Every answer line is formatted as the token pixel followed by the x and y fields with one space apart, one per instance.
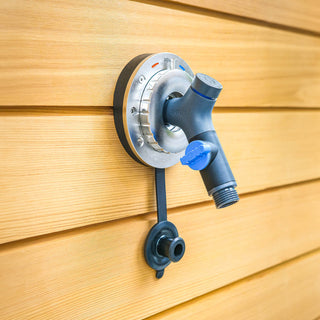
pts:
pixel 225 197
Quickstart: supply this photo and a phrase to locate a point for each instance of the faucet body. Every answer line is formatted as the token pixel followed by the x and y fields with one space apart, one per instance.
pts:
pixel 192 113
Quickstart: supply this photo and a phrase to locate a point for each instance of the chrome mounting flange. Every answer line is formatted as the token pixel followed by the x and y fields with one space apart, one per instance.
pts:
pixel 141 91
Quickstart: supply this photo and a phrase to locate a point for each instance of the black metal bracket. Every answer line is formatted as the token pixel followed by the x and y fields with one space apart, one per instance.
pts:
pixel 163 244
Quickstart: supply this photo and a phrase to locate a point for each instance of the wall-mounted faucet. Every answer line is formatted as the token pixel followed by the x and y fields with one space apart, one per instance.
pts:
pixel 192 113
pixel 162 114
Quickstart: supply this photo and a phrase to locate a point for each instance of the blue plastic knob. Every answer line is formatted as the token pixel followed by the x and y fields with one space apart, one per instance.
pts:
pixel 198 155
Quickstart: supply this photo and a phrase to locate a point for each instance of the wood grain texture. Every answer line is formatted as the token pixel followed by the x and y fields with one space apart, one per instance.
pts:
pixel 71 52
pixel 295 13
pixel 61 171
pixel 99 272
pixel 289 291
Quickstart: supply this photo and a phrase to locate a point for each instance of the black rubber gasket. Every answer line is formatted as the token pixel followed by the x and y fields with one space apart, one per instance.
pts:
pixel 118 101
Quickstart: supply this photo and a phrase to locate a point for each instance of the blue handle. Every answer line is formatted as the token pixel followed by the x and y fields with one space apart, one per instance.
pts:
pixel 198 154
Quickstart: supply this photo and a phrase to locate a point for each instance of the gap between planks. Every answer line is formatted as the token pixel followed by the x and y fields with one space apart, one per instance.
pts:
pixel 228 16
pixel 102 110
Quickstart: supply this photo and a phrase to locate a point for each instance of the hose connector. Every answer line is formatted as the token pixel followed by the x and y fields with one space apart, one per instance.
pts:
pixel 225 197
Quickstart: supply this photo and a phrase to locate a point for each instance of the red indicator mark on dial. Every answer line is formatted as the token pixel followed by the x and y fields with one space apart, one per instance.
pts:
pixel 155 64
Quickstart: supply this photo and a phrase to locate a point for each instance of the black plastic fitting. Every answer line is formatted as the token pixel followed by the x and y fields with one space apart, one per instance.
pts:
pixel 192 113
pixel 172 248
pixel 163 246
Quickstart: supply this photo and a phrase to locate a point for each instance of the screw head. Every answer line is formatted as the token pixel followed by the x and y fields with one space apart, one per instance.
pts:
pixel 142 78
pixel 133 110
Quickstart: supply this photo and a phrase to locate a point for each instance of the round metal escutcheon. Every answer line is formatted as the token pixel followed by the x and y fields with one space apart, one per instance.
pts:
pixel 142 89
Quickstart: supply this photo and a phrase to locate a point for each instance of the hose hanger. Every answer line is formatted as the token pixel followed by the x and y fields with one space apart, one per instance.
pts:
pixel 162 114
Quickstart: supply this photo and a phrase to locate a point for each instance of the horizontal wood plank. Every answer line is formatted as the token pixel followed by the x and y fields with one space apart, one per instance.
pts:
pixel 71 52
pixel 99 272
pixel 61 171
pixel 290 291
pixel 300 14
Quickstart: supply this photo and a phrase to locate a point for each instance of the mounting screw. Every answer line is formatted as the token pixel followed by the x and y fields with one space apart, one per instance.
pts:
pixel 141 79
pixel 133 110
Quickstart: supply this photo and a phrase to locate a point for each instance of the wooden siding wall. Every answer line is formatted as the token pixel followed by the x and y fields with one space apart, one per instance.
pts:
pixel 75 209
